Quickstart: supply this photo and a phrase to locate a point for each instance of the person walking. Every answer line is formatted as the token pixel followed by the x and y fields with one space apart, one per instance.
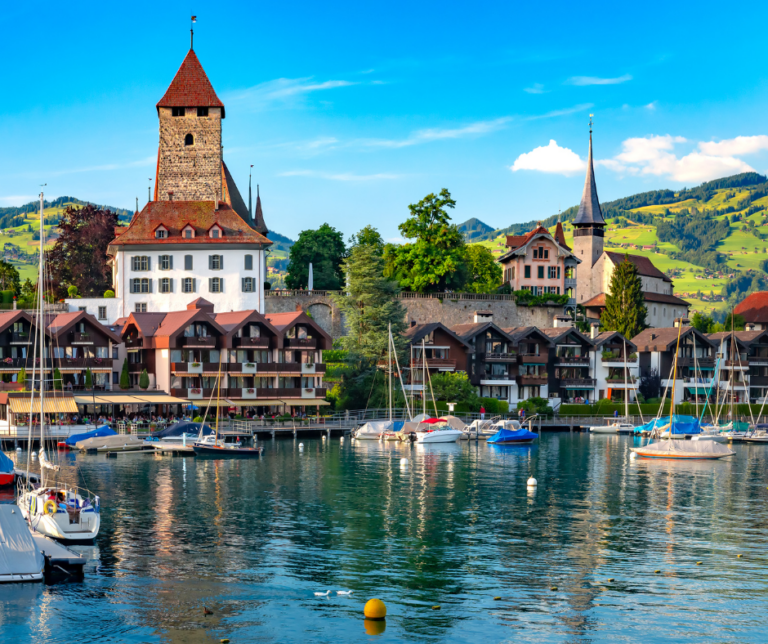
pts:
pixel 482 413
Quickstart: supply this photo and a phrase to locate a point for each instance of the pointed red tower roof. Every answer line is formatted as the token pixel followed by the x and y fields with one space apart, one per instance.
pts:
pixel 191 87
pixel 560 236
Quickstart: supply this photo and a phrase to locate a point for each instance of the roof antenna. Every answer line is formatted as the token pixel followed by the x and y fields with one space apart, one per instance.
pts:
pixel 192 33
pixel 590 123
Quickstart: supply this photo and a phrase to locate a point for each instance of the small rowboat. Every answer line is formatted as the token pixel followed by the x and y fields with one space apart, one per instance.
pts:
pixel 684 450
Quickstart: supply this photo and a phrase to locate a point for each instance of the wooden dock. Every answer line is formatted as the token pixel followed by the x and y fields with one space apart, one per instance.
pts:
pixel 58 558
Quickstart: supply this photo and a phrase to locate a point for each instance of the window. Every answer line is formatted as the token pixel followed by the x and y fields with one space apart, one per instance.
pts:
pixel 166 285
pixel 248 285
pixel 535 253
pixel 188 285
pixel 215 285
pixel 249 262
pixel 178 111
pixel 202 112
pixel 102 313
pixel 527 271
pixel 188 232
pixel 215 262
pixel 187 262
pixel 513 272
pixel 141 307
pixel 165 262
pixel 215 233
pixel 82 308
pixel 141 285
pixel 161 233
pixel 545 251
pixel 141 263
pixel 189 140
pixel 540 272
pixel 553 272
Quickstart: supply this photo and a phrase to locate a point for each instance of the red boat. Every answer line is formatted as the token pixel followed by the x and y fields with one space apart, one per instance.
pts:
pixel 7 479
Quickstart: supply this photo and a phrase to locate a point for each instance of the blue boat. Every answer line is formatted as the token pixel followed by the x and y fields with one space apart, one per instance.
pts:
pixel 512 437
pixel 104 430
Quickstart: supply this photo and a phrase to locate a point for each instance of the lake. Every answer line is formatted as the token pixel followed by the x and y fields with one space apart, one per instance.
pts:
pixel 574 560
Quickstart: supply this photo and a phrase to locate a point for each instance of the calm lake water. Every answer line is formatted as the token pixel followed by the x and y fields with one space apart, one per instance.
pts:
pixel 254 540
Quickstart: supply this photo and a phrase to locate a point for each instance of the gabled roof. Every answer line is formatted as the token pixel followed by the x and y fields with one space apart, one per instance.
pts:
pixel 415 333
pixel 608 336
pixel 516 242
pixel 65 321
pixel 200 215
pixel 589 209
pixel 146 323
pixel 285 321
pixel 643 264
pixel 598 301
pixel 556 334
pixel 744 338
pixel 665 339
pixel 467 332
pixel 191 87
pixel 233 321
pixel 519 333
pixel 9 317
pixel 754 308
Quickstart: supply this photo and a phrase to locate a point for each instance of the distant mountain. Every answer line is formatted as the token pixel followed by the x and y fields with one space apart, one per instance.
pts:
pixel 34 207
pixel 280 242
pixel 474 229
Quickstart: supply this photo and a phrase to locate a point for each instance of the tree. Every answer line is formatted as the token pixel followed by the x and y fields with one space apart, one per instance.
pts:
pixel 28 295
pixel 368 236
pixel 88 379
pixel 57 379
pixel 371 303
pixel 650 385
pixel 625 310
pixel 436 259
pixel 79 256
pixel 738 322
pixel 703 323
pixel 453 387
pixel 484 271
pixel 72 291
pixel 9 278
pixel 22 377
pixel 324 248
pixel 125 379
pixel 144 379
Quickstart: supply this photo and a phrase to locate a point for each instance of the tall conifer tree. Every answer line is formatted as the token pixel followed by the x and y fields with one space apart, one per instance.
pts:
pixel 625 309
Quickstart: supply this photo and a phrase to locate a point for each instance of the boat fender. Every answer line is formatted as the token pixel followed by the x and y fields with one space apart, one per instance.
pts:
pixel 404 461
pixel 49 507
pixel 532 482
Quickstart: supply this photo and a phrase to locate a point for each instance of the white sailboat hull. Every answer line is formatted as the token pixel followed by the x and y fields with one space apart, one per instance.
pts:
pixel 439 436
pixel 81 524
pixel 604 429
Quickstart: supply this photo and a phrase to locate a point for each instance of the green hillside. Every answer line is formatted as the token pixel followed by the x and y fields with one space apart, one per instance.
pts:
pixel 704 238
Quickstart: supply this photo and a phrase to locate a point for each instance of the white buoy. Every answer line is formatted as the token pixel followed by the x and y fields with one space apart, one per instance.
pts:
pixel 403 461
pixel 301 447
pixel 532 482
pixel 18 449
pixel 341 439
pixel 632 456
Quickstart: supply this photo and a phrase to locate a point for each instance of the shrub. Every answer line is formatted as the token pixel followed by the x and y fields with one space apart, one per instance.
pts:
pixel 197 419
pixel 144 380
pixel 109 294
pixel 72 291
pixel 57 379
pixel 125 379
pixel 88 379
pixel 22 377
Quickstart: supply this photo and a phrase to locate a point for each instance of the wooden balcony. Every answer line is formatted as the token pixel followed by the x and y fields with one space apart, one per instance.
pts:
pixel 136 367
pixel 501 357
pixel 195 393
pixel 17 363
pixel 81 338
pixel 619 359
pixel 531 380
pixel 436 363
pixel 134 343
pixel 198 367
pixel 253 343
pixel 527 358
pixel 687 361
pixel 83 363
pixel 573 383
pixel 21 338
pixel 198 341
pixel 300 343
pixel 566 360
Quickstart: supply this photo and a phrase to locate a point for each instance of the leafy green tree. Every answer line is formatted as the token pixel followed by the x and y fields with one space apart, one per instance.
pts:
pixel 368 236
pixel 485 272
pixel 125 379
pixel 324 248
pixel 144 379
pixel 72 291
pixel 88 379
pixel 736 320
pixel 453 387
pixel 22 377
pixel 371 303
pixel 57 379
pixel 703 322
pixel 436 258
pixel 27 298
pixel 9 278
pixel 625 309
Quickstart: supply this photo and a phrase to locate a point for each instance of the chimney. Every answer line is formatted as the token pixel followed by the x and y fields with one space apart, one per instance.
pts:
pixel 483 317
pixel 563 321
pixel 681 322
pixel 653 336
pixel 170 195
pixel 750 326
pixel 594 330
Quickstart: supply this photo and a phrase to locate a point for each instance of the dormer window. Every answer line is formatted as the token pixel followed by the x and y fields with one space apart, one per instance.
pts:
pixel 161 232
pixel 202 112
pixel 178 111
pixel 188 232
pixel 189 140
pixel 215 232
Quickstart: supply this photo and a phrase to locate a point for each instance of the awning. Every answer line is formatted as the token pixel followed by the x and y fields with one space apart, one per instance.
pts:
pixel 308 402
pixel 163 400
pixel 699 391
pixel 256 402
pixel 202 404
pixel 59 405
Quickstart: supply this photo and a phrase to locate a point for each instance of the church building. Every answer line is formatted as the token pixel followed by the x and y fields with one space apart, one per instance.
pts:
pixel 596 265
pixel 196 238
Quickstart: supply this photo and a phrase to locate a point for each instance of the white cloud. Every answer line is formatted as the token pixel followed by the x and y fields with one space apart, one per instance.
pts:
pixel 550 158
pixel 537 88
pixel 735 147
pixel 594 80
pixel 478 128
pixel 285 90
pixel 564 112
pixel 652 105
pixel 344 176
pixel 18 200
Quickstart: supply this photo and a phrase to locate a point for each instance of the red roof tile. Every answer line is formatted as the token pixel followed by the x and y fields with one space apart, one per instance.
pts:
pixel 648 296
pixel 560 236
pixel 191 87
pixel 754 308
pixel 644 265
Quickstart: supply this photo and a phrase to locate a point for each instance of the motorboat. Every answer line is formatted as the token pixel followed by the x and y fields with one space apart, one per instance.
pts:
pixel 512 435
pixel 99 432
pixel 64 513
pixel 220 449
pixel 373 430
pixel 709 435
pixel 615 427
pixel 482 429
pixel 437 430
pixel 114 443
pixel 7 471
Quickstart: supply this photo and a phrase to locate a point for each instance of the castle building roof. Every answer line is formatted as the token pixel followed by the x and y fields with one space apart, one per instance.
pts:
pixel 191 87
pixel 643 264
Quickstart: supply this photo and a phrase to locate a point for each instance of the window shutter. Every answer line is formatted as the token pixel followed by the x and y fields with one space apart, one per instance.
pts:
pixel 149 265
pixel 170 285
pixel 221 285
pixel 187 262
pixel 210 262
pixel 170 261
pixel 244 289
pixel 194 285
pixel 221 262
pixel 210 285
pixel 150 285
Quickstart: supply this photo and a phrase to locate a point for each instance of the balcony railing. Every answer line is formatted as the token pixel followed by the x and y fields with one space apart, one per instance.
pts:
pixel 497 376
pixel 532 380
pixel 500 357
pixel 250 342
pixel 83 363
pixel 82 338
pixel 738 364
pixel 587 383
pixel 198 367
pixel 301 343
pixel 196 393
pixel 132 343
pixel 21 338
pixel 688 361
pixel 528 358
pixel 436 363
pixel 16 363
pixel 572 359
pixel 619 358
pixel 136 367
pixel 198 341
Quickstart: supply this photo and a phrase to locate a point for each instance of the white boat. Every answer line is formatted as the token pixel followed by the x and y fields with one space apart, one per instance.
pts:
pixel 439 435
pixel 712 434
pixel 688 450
pixel 116 443
pixel 613 428
pixel 757 436
pixel 20 558
pixel 62 512
pixel 373 430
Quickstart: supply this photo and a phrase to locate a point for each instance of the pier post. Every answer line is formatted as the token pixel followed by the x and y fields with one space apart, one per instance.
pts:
pixel 273 434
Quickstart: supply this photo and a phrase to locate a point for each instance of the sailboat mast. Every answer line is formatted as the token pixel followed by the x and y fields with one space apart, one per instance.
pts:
pixel 733 375
pixel 389 369
pixel 626 386
pixel 424 376
pixel 41 324
pixel 674 379
pixel 695 378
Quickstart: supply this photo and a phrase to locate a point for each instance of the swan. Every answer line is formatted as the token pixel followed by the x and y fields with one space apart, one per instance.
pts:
pixel 325 594
pixel 344 592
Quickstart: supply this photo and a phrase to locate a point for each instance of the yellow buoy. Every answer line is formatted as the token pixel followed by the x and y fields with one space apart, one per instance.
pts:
pixel 610 580
pixel 496 598
pixel 375 609
pixel 698 563
pixel 375 626
pixel 224 641
pixel 553 588
pixel 738 556
pixel 657 571
pixel 435 607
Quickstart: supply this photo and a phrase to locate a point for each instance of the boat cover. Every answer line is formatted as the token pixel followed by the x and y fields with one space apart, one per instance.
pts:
pixel 455 423
pixel 680 425
pixel 684 449
pixel 6 464
pixel 183 427
pixel 18 553
pixel 104 430
pixel 512 436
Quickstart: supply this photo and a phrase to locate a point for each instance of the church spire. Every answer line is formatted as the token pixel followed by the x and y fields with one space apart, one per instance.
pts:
pixel 258 218
pixel 589 210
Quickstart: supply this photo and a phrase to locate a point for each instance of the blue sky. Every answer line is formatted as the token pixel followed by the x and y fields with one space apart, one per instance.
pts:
pixel 351 111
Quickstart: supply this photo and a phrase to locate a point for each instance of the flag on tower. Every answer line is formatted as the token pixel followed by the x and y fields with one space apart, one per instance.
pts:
pixel 194 18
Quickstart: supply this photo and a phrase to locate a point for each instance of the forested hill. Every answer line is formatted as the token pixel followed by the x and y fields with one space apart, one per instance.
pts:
pixel 711 239
pixel 33 207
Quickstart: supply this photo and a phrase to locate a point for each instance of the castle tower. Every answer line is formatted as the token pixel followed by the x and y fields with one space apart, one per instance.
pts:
pixel 189 158
pixel 588 234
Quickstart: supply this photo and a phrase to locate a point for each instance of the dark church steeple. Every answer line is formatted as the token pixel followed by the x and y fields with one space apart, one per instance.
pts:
pixel 589 210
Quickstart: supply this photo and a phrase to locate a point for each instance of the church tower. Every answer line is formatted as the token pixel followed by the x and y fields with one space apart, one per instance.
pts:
pixel 189 159
pixel 588 235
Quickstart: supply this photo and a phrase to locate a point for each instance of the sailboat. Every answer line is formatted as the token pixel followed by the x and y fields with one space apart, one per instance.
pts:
pixel 618 426
pixel 681 450
pixel 57 510
pixel 433 430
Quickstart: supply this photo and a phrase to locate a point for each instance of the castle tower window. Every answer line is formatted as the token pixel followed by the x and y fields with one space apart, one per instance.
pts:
pixel 161 232
pixel 215 232
pixel 188 232
pixel 178 111
pixel 202 112
pixel 189 140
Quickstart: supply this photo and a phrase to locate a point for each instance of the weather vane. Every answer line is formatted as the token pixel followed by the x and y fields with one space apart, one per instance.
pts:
pixel 590 123
pixel 192 32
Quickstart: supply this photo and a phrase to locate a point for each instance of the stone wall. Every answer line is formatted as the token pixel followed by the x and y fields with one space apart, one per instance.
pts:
pixel 192 172
pixel 421 310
